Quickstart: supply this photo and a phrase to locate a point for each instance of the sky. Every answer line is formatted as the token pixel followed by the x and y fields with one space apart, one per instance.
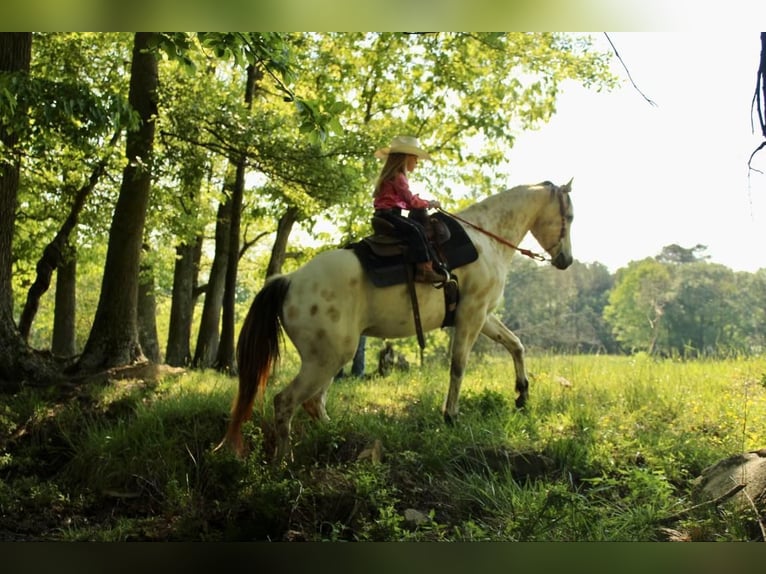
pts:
pixel 647 176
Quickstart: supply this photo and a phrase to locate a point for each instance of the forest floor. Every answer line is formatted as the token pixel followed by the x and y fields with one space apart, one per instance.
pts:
pixel 608 450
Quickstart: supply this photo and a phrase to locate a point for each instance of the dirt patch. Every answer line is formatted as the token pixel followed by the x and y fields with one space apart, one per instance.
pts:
pixel 147 372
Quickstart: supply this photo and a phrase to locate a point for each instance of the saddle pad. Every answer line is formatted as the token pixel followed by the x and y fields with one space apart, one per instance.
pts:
pixel 458 250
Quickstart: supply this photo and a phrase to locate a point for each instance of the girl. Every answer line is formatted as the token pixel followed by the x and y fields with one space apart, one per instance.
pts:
pixel 392 195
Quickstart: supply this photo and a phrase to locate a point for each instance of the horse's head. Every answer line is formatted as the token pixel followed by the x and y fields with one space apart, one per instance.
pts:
pixel 551 229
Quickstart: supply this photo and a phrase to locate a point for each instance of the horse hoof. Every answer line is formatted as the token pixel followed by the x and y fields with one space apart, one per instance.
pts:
pixel 450 420
pixel 521 402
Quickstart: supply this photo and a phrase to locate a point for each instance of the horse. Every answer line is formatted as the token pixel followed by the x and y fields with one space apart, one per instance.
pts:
pixel 325 305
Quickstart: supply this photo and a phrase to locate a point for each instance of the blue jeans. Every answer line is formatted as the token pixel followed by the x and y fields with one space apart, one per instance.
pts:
pixel 357 365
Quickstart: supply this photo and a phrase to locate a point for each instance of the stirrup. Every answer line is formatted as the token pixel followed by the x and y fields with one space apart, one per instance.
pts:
pixel 428 276
pixel 448 277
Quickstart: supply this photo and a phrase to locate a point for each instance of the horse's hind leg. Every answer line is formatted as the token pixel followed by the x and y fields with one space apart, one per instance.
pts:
pixel 315 406
pixel 304 388
pixel 495 330
pixel 301 389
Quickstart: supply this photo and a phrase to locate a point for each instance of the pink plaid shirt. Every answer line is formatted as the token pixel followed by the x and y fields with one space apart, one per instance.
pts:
pixel 396 193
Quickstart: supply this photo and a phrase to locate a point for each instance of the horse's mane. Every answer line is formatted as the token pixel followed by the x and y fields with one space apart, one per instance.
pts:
pixel 484 204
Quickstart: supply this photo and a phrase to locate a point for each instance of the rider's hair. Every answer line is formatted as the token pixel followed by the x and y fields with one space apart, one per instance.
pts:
pixel 395 163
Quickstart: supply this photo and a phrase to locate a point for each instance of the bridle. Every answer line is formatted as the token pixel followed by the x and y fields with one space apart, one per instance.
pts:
pixel 531 254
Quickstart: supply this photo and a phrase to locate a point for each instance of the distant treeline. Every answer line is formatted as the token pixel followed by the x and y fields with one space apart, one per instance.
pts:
pixel 674 304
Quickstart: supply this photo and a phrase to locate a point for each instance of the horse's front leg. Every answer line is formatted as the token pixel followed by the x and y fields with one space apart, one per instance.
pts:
pixel 462 343
pixel 497 331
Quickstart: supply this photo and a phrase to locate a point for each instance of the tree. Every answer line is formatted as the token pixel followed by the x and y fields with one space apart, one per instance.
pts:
pixel 751 303
pixel 206 348
pixel 637 304
pixel 184 187
pixel 702 317
pixel 676 254
pixel 114 338
pixel 187 176
pixel 63 339
pixel 146 307
pixel 236 134
pixel 561 311
pixel 593 282
pixel 15 56
pixel 184 296
pixel 224 361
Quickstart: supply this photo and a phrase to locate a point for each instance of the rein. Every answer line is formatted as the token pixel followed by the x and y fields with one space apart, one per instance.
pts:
pixel 527 252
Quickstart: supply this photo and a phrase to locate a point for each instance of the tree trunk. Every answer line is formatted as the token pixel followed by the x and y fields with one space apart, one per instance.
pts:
pixel 279 249
pixel 178 351
pixel 63 341
pixel 15 56
pixel 224 361
pixel 185 272
pixel 147 313
pixel 114 336
pixel 225 357
pixel 17 362
pixel 207 337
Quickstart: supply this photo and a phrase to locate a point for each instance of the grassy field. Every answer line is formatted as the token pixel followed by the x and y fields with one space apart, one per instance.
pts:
pixel 606 451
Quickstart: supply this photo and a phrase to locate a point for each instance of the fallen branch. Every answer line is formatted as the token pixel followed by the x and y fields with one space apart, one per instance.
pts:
pixel 757 516
pixel 714 502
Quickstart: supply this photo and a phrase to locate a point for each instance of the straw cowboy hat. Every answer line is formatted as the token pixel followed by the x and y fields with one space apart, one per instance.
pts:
pixel 403 144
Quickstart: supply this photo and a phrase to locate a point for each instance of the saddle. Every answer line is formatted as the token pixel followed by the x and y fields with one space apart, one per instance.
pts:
pixel 384 256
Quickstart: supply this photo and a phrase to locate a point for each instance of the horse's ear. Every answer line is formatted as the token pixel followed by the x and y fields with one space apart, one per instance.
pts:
pixel 568 187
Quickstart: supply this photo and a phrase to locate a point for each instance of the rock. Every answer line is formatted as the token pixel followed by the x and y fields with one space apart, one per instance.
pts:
pixel 374 452
pixel 414 517
pixel 748 469
pixel 566 383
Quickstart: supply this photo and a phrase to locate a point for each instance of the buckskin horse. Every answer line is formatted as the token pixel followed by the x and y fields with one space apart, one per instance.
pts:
pixel 325 305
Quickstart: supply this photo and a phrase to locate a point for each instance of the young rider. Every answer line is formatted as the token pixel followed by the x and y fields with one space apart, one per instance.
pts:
pixel 392 195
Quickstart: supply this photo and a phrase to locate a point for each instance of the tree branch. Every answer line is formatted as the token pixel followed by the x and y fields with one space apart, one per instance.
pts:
pixel 616 53
pixel 52 256
pixel 759 101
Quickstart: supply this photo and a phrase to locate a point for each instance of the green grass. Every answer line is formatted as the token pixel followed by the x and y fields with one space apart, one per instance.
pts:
pixel 606 450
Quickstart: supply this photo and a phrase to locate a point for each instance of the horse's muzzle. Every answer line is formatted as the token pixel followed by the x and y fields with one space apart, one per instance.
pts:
pixel 562 260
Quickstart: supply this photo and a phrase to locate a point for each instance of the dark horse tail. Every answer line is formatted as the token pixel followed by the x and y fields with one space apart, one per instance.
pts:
pixel 257 352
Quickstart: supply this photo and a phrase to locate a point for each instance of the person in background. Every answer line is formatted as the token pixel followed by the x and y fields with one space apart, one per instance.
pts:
pixel 357 365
